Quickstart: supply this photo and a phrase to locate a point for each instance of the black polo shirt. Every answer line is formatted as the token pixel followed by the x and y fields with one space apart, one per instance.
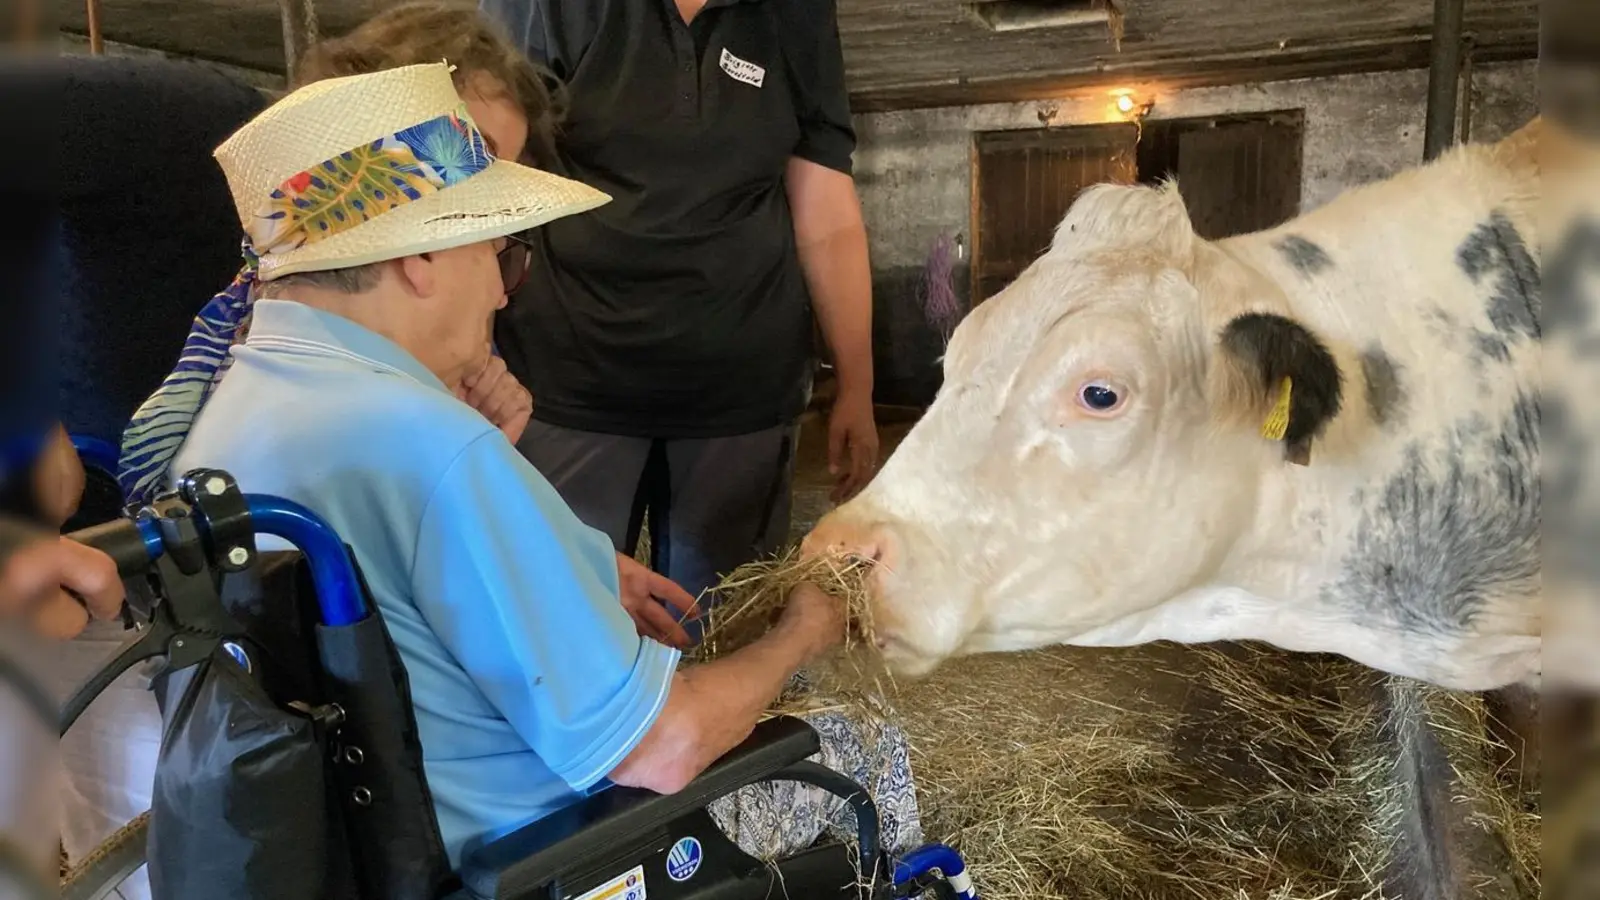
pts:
pixel 678 309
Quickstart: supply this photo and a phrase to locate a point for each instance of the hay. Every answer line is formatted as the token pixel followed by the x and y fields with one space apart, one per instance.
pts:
pixel 751 598
pixel 1161 772
pixel 1224 788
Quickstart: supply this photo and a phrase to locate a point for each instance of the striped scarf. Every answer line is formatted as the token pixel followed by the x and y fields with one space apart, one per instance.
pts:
pixel 162 422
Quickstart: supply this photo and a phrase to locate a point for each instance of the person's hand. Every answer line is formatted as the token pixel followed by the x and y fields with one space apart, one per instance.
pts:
pixel 643 593
pixel 498 396
pixel 58 479
pixel 35 578
pixel 852 444
pixel 818 615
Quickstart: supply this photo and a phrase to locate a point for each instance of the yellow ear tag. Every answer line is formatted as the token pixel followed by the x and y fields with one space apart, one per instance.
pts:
pixel 1277 423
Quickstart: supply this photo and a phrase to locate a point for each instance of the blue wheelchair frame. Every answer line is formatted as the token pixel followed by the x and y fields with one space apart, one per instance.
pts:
pixel 341 601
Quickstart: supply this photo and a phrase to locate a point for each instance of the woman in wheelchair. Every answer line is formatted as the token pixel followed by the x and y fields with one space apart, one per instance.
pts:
pixel 381 239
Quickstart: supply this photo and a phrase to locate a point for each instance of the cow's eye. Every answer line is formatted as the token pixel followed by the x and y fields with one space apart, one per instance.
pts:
pixel 1099 397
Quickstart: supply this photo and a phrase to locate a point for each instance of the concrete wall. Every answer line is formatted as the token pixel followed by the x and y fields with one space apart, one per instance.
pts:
pixel 914 173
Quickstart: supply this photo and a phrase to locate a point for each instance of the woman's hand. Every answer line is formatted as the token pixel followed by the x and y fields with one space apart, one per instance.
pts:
pixel 58 479
pixel 498 396
pixel 643 594
pixel 35 578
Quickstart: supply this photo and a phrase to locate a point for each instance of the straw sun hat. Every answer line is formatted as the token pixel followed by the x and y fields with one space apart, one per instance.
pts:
pixel 406 172
pixel 341 173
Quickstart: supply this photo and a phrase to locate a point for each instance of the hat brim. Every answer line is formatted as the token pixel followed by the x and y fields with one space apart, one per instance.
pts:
pixel 503 199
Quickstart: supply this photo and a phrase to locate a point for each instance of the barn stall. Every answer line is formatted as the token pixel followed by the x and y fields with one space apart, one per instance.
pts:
pixel 1164 771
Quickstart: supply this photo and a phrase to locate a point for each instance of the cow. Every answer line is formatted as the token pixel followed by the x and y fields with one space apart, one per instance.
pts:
pixel 1323 436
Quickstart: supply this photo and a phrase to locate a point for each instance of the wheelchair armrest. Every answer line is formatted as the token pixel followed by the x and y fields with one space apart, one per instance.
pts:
pixel 580 836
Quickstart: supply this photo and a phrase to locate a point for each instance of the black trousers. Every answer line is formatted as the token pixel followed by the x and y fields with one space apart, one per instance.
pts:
pixel 713 504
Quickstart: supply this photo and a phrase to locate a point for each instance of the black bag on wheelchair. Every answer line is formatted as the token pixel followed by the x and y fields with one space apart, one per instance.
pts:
pixel 238 807
pixel 270 739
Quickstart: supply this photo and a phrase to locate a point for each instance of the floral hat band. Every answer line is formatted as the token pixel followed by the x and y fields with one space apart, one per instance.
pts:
pixel 366 181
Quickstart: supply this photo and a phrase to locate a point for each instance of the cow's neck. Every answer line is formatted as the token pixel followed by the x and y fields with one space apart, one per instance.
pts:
pixel 1381 276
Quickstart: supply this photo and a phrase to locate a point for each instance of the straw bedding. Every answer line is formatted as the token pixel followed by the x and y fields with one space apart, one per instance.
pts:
pixel 1214 773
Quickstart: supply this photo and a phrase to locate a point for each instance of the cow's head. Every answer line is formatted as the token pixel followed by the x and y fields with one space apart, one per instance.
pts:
pixel 1097 447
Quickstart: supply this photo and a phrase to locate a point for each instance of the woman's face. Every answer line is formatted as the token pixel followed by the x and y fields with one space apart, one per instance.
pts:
pixel 499 116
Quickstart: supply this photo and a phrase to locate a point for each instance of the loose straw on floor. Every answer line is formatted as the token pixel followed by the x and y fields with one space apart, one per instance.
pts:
pixel 1225 774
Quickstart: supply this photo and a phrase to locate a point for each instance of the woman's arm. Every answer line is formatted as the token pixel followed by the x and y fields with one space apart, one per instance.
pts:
pixel 831 240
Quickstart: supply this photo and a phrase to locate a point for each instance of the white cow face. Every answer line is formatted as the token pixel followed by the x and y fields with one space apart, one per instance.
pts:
pixel 1096 447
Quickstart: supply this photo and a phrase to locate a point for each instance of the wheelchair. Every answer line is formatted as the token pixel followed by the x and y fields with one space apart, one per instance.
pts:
pixel 290 765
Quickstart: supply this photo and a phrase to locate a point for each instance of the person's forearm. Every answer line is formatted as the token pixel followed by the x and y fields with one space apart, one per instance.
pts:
pixel 712 707
pixel 831 242
pixel 839 277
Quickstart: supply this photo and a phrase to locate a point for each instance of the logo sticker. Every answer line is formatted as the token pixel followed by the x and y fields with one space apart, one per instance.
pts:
pixel 239 656
pixel 683 860
pixel 739 70
pixel 627 886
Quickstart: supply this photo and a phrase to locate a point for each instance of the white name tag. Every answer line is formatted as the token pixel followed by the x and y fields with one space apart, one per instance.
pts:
pixel 739 70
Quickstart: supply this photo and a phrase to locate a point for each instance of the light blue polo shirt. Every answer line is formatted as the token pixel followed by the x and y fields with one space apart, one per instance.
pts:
pixel 529 680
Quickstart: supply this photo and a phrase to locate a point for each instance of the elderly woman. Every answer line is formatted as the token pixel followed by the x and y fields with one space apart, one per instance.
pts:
pixel 488 561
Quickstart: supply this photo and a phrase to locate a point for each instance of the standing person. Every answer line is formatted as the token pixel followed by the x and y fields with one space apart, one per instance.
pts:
pixel 667 337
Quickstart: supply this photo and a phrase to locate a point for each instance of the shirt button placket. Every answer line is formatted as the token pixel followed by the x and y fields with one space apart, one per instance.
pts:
pixel 688 77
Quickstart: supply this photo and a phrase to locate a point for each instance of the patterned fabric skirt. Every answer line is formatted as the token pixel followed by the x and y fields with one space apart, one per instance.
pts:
pixel 775 819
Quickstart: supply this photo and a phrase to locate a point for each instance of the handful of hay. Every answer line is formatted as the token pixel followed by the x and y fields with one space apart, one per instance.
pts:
pixel 1160 772
pixel 752 598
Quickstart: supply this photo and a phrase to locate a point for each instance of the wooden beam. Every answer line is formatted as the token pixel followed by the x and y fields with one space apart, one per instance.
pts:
pixel 97 42
pixel 28 27
pixel 300 32
pixel 1208 71
pixel 1444 77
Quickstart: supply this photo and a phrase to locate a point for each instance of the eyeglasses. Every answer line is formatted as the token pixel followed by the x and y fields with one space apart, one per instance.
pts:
pixel 515 259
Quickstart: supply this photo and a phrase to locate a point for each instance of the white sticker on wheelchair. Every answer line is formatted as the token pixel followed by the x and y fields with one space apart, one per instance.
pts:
pixel 683 860
pixel 627 886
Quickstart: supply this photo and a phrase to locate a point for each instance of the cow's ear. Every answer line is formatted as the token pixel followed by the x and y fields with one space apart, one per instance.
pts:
pixel 1275 373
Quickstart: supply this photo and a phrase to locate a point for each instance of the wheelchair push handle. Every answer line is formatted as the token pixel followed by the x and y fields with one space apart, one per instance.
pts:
pixel 131 544
pixel 207 522
pixel 339 593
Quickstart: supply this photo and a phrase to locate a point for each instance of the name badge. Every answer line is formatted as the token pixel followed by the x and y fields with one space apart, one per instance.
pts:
pixel 740 70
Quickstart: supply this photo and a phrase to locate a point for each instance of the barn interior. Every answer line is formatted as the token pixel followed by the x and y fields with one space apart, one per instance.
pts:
pixel 1162 771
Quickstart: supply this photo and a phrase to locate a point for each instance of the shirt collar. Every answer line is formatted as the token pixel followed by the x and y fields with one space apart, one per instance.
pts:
pixel 323 333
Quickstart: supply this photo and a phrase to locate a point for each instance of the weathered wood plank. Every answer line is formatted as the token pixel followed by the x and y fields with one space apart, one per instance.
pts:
pixel 934 52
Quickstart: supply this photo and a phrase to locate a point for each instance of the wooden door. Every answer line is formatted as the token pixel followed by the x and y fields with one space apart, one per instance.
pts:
pixel 1241 176
pixel 1024 182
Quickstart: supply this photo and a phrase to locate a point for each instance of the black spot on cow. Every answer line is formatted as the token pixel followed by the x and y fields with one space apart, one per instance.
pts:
pixel 1574 264
pixel 1493 346
pixel 1275 347
pixel 1305 256
pixel 1456 525
pixel 1385 395
pixel 1495 253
